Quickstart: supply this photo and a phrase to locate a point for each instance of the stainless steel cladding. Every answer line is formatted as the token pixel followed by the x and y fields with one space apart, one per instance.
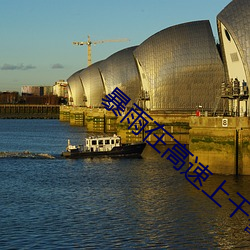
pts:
pixel 75 90
pixel 235 18
pixel 180 68
pixel 119 70
pixel 234 33
pixel 93 85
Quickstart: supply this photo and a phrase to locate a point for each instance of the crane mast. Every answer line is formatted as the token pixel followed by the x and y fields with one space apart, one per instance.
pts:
pixel 89 43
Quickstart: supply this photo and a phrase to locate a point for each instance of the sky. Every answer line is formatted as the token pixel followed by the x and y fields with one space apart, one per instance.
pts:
pixel 36 35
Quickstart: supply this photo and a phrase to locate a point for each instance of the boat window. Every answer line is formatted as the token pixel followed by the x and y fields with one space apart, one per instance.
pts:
pixel 107 142
pixel 93 142
pixel 100 142
pixel 112 141
pixel 117 141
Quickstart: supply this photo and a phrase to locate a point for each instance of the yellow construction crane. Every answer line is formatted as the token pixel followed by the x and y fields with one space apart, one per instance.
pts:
pixel 89 43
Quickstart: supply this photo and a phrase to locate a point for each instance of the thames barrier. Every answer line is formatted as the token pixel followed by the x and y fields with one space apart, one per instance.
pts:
pixel 186 81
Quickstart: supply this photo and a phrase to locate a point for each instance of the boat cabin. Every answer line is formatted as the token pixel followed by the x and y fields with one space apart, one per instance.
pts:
pixel 105 143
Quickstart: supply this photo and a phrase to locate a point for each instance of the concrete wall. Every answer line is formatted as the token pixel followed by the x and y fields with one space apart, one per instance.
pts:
pixel 64 113
pixel 218 146
pixel 103 121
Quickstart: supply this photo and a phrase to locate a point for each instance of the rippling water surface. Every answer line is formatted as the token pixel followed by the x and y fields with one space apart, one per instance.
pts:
pixel 54 203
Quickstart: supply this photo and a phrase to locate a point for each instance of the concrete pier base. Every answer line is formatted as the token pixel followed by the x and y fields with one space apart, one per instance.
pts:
pixel 221 143
pixel 102 121
pixel 64 113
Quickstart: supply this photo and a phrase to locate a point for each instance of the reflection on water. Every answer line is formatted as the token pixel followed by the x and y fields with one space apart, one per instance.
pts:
pixel 109 203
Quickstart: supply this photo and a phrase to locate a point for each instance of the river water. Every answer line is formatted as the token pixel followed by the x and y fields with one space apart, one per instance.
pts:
pixel 53 203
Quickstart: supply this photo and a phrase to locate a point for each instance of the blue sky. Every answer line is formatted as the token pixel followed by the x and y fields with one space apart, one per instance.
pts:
pixel 36 35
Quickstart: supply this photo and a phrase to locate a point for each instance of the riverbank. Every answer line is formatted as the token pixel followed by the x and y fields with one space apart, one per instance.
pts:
pixel 26 111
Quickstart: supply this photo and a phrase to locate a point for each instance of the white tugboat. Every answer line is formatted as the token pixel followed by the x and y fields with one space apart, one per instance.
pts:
pixel 111 146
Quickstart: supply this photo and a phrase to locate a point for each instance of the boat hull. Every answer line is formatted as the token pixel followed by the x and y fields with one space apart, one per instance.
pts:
pixel 127 150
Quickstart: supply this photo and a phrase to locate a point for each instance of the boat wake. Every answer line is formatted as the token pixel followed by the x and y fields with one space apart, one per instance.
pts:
pixel 26 154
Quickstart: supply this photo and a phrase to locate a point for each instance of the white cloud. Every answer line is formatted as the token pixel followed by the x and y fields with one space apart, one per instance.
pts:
pixel 21 66
pixel 57 66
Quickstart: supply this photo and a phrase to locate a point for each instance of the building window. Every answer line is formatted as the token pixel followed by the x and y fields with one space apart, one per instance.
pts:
pixel 227 35
pixel 234 57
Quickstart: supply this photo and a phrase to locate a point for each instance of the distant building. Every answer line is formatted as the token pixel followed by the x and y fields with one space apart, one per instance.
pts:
pixel 60 89
pixel 30 90
pixel 40 100
pixel 47 90
pixel 39 95
pixel 37 90
pixel 9 97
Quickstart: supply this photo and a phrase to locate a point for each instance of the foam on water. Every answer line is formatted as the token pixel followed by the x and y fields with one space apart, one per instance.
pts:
pixel 26 154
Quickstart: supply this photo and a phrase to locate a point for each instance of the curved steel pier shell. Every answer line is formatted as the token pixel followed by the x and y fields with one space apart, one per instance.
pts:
pixel 234 33
pixel 119 70
pixel 93 85
pixel 75 89
pixel 181 67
